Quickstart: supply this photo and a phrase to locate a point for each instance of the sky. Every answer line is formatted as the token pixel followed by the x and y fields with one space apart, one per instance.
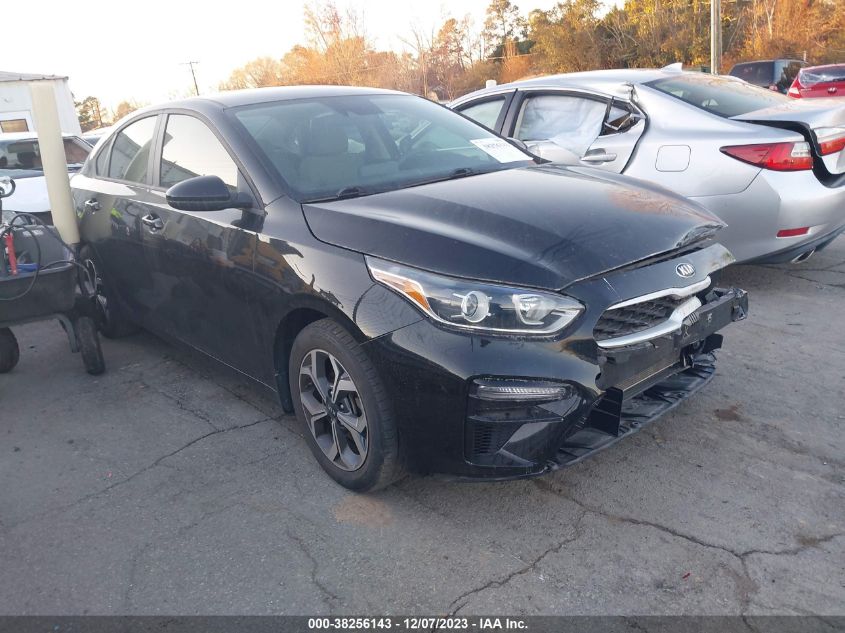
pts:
pixel 116 50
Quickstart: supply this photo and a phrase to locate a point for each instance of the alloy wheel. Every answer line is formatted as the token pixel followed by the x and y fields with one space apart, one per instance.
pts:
pixel 333 410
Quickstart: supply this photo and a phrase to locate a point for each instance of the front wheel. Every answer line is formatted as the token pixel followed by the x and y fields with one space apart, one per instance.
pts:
pixel 344 408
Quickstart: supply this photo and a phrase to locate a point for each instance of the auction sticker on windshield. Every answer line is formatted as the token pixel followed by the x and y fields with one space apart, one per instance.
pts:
pixel 501 150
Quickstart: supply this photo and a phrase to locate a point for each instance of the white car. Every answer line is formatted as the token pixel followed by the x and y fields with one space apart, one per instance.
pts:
pixel 20 159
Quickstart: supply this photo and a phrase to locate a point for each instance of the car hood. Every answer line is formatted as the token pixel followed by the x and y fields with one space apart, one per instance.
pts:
pixel 30 196
pixel 543 227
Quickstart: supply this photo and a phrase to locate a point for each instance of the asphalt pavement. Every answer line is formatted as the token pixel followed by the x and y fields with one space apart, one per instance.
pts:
pixel 170 486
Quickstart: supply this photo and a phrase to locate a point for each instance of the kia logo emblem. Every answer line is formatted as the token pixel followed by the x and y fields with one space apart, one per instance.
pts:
pixel 685 270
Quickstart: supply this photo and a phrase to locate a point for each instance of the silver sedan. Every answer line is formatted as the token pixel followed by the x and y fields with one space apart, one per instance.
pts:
pixel 771 167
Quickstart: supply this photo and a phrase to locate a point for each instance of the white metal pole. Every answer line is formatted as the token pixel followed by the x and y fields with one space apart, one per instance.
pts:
pixel 51 146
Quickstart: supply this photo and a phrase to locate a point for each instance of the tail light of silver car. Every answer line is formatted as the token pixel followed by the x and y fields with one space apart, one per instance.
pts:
pixel 831 140
pixel 775 156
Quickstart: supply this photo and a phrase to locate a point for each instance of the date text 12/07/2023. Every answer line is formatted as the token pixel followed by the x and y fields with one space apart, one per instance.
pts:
pixel 376 623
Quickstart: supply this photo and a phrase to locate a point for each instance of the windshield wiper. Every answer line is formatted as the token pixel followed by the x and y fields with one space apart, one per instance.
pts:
pixel 343 194
pixel 460 172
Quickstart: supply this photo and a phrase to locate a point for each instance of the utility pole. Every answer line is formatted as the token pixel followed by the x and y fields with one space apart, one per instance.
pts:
pixel 194 75
pixel 715 36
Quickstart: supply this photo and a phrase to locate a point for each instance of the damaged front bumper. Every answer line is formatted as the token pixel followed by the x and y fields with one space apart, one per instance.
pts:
pixel 639 383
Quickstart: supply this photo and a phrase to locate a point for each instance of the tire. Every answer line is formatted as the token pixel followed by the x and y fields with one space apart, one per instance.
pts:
pixel 89 345
pixel 319 349
pixel 10 353
pixel 111 319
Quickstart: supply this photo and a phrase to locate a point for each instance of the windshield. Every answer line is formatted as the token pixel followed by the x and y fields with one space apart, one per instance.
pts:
pixel 719 95
pixel 21 158
pixel 335 147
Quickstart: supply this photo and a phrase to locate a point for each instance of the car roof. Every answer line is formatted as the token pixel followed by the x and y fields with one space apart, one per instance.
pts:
pixel 234 98
pixel 768 61
pixel 612 82
pixel 25 136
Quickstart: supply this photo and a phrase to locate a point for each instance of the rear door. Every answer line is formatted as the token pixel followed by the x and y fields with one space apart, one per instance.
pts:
pixel 202 262
pixel 111 197
pixel 597 130
pixel 488 110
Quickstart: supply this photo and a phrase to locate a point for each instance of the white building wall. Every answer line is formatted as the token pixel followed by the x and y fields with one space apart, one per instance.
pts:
pixel 15 103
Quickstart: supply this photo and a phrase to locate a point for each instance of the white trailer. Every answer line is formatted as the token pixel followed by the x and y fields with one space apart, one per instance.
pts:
pixel 16 103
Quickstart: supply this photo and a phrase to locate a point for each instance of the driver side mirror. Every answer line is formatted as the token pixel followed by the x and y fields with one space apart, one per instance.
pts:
pixel 206 193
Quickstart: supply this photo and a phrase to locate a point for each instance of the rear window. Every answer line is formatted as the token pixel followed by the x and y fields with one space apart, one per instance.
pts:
pixel 810 77
pixel 720 95
pixel 757 73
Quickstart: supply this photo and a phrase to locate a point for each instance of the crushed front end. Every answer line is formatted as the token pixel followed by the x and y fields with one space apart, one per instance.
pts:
pixel 514 422
pixel 475 406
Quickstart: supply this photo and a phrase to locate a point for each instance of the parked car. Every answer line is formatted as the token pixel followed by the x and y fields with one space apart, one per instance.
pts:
pixel 20 159
pixel 769 168
pixel 774 74
pixel 92 137
pixel 422 293
pixel 819 81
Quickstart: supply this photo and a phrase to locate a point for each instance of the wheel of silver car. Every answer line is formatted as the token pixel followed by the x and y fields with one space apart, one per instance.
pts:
pixel 343 407
pixel 335 413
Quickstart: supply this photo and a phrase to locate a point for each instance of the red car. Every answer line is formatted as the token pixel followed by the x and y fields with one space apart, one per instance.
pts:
pixel 819 81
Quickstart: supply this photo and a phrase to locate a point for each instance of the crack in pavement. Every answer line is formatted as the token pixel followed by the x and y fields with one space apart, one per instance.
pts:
pixel 130 577
pixel 136 474
pixel 746 586
pixel 200 415
pixel 462 525
pixel 329 597
pixel 810 542
pixel 454 607
pixel 231 392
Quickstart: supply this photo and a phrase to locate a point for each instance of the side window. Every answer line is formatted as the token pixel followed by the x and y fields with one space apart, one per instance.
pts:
pixel 191 149
pixel 620 118
pixel 569 121
pixel 131 151
pixel 75 151
pixel 102 161
pixel 486 112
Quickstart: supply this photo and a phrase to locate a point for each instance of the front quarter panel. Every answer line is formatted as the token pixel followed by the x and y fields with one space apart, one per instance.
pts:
pixel 297 272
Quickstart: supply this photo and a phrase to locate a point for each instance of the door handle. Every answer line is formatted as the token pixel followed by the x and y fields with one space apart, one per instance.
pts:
pixel 153 221
pixel 598 157
pixel 91 205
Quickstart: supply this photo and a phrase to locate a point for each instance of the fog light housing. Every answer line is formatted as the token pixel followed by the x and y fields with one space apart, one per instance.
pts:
pixel 515 389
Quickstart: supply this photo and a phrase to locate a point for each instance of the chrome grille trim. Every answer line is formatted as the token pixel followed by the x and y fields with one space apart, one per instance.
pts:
pixel 680 293
pixel 671 324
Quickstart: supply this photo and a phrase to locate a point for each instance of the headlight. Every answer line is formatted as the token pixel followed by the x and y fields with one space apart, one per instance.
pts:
pixel 475 305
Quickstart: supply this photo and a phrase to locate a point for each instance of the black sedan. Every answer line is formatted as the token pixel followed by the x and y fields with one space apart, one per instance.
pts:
pixel 425 295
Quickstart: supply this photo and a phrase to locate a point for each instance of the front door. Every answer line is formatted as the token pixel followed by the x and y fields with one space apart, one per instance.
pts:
pixel 202 262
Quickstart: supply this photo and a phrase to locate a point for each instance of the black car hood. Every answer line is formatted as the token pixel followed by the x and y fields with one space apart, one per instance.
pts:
pixel 543 226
